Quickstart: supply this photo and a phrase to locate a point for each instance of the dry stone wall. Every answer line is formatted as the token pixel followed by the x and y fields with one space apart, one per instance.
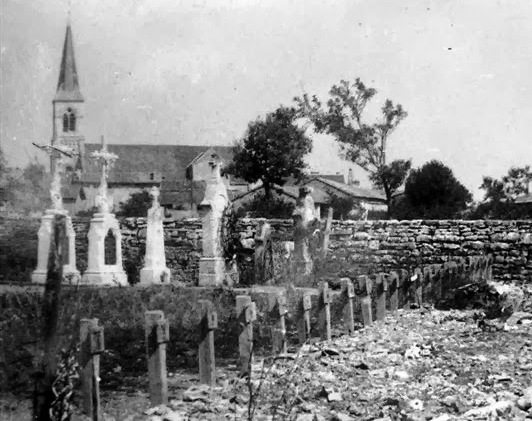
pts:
pixel 356 247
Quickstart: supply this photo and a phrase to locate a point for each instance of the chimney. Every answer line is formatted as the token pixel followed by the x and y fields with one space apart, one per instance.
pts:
pixel 350 180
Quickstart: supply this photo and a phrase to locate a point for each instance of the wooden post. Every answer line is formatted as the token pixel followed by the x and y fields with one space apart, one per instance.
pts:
pixel 304 319
pixel 326 234
pixel 405 282
pixel 92 345
pixel 381 287
pixel 436 274
pixel 43 394
pixel 278 312
pixel 417 279
pixel 393 285
pixel 365 284
pixel 209 322
pixel 157 336
pixel 427 280
pixel 325 312
pixel 246 313
pixel 348 294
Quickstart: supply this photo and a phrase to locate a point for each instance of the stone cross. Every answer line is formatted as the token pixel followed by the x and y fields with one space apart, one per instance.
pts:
pixel 56 153
pixel 106 160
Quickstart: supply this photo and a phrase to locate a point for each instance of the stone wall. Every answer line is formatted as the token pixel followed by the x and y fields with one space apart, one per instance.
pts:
pixel 355 247
pixel 362 247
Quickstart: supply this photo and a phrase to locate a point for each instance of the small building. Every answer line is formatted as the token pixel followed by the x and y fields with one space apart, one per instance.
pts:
pixel 368 199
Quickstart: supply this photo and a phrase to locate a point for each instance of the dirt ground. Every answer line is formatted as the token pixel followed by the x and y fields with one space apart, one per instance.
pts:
pixel 420 365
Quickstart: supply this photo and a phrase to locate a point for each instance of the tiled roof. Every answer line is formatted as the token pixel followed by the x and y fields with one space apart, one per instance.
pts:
pixel 319 196
pixel 138 161
pixel 353 191
pixel 179 193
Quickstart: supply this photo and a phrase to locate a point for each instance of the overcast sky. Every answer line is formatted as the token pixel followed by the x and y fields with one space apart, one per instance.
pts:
pixel 196 72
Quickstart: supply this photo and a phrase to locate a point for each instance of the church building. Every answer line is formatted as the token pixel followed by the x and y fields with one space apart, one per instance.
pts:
pixel 179 170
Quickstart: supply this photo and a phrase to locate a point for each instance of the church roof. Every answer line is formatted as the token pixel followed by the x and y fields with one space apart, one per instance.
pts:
pixel 137 162
pixel 68 83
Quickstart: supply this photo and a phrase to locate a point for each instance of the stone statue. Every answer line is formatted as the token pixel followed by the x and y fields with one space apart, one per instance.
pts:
pixel 155 270
pixel 212 264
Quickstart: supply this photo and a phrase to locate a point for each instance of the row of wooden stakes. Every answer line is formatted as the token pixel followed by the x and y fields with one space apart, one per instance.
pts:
pixel 384 288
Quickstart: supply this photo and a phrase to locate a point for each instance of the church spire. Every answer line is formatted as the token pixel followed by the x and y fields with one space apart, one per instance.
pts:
pixel 68 84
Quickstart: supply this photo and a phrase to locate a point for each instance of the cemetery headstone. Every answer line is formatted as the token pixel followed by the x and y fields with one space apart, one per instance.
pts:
pixel 155 270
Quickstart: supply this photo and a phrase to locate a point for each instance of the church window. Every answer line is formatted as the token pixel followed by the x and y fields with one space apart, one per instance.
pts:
pixel 72 125
pixel 69 121
pixel 65 122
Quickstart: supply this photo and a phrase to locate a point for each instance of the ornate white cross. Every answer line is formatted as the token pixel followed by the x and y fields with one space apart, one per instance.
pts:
pixel 106 159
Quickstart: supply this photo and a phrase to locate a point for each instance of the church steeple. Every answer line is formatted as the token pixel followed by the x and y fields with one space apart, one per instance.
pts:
pixel 68 83
pixel 68 105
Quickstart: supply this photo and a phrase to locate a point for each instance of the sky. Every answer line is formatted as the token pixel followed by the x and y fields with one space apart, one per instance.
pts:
pixel 197 72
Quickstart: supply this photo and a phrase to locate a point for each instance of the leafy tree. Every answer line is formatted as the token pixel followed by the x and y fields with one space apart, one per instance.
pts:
pixel 272 150
pixel 341 206
pixel 262 207
pixel 29 191
pixel 362 143
pixel 500 195
pixel 433 192
pixel 137 205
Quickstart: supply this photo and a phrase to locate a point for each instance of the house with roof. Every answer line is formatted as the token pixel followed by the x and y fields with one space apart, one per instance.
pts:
pixel 288 193
pixel 368 199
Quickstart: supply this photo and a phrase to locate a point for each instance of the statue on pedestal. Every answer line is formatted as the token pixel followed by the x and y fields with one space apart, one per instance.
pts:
pixel 212 263
pixel 155 270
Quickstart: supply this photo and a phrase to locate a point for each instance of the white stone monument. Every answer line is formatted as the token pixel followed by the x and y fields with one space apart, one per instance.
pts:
pixel 70 272
pixel 212 264
pixel 104 225
pixel 304 221
pixel 155 270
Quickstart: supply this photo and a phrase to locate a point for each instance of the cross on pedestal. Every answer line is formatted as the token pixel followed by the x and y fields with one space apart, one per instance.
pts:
pixel 106 160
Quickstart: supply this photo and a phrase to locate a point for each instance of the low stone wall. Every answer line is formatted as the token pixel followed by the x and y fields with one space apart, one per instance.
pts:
pixel 356 247
pixel 362 247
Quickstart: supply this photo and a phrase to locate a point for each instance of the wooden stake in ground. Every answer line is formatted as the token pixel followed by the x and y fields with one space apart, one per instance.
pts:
pixel 364 287
pixel 393 286
pixel 417 279
pixel 324 314
pixel 246 313
pixel 304 319
pixel 405 282
pixel 157 336
pixel 43 394
pixel 381 286
pixel 209 322
pixel 92 345
pixel 278 313
pixel 348 295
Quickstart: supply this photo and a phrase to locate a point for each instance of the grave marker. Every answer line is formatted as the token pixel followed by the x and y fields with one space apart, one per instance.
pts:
pixel 157 336
pixel 325 312
pixel 381 286
pixel 365 285
pixel 393 285
pixel 209 322
pixel 348 293
pixel 92 345
pixel 246 314
pixel 304 319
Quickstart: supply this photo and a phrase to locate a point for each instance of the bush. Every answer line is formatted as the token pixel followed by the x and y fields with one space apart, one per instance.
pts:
pixel 261 207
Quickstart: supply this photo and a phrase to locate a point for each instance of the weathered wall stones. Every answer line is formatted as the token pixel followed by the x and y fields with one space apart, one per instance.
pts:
pixel 356 247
